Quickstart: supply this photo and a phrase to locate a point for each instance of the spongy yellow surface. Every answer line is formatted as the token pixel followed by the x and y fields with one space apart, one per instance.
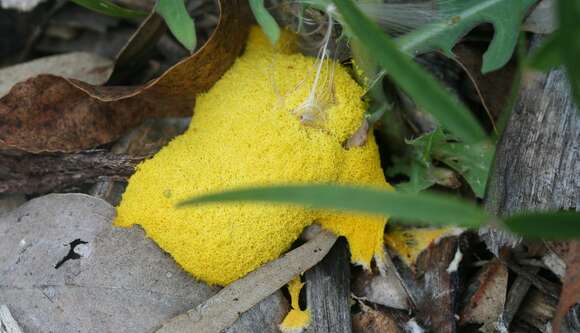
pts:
pixel 411 242
pixel 245 131
pixel 296 320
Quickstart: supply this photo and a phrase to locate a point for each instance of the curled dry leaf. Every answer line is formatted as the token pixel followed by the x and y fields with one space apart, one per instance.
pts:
pixel 88 67
pixel 50 113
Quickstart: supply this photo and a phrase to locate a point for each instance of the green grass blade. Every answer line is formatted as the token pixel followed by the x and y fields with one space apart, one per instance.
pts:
pixel 569 17
pixel 425 207
pixel 179 22
pixel 551 225
pixel 422 87
pixel 265 20
pixel 106 7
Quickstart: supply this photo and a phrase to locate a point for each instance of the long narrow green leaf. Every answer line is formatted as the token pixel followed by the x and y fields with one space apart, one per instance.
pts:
pixel 106 7
pixel 423 88
pixel 179 22
pixel 569 16
pixel 551 225
pixel 425 207
pixel 265 20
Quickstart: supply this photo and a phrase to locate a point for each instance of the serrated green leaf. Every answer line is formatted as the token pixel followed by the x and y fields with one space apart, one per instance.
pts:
pixel 419 179
pixel 569 32
pixel 422 87
pixel 179 22
pixel 505 15
pixel 404 206
pixel 106 7
pixel 550 225
pixel 472 161
pixel 265 20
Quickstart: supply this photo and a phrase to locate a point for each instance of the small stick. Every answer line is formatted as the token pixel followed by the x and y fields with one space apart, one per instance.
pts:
pixel 222 310
pixel 7 322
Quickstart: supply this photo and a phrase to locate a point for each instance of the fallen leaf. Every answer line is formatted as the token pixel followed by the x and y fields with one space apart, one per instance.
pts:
pixel 64 268
pixel 385 289
pixel 54 114
pixel 571 288
pixel 88 67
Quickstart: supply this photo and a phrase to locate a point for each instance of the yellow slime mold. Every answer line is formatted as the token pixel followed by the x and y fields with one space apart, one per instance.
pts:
pixel 246 132
pixel 296 320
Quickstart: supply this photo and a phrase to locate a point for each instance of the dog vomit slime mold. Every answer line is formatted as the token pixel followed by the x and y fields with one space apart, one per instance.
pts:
pixel 246 132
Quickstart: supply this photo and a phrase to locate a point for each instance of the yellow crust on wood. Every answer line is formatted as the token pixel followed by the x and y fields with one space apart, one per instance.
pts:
pixel 296 320
pixel 245 132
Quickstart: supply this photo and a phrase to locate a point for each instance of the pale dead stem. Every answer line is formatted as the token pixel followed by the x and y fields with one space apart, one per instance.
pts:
pixel 222 310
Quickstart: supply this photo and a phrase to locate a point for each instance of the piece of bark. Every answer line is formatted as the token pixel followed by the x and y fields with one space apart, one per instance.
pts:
pixel 436 308
pixel 328 292
pixel 42 173
pixel 373 321
pixel 486 297
pixel 515 297
pixel 537 165
pixel 537 309
pixel 537 161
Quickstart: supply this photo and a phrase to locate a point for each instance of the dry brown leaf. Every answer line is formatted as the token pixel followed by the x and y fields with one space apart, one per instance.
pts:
pixel 571 289
pixel 53 114
pixel 89 67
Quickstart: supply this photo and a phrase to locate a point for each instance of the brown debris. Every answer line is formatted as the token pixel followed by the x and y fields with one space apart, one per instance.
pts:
pixel 487 297
pixel 43 173
pixel 571 289
pixel 373 321
pixel 54 114
pixel 436 308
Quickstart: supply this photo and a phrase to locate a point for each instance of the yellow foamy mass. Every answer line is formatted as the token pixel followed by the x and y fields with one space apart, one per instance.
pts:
pixel 246 131
pixel 296 320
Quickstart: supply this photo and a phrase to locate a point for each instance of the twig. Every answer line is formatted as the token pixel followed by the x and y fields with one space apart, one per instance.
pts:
pixel 7 322
pixel 222 310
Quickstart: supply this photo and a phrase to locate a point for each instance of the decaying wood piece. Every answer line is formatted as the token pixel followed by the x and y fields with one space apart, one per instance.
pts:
pixel 436 307
pixel 7 322
pixel 537 160
pixel 42 173
pixel 486 297
pixel 328 292
pixel 515 297
pixel 221 311
pixel 373 321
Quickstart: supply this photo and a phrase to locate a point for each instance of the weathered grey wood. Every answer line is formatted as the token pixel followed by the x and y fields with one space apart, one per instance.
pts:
pixel 537 163
pixel 328 292
pixel 7 322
